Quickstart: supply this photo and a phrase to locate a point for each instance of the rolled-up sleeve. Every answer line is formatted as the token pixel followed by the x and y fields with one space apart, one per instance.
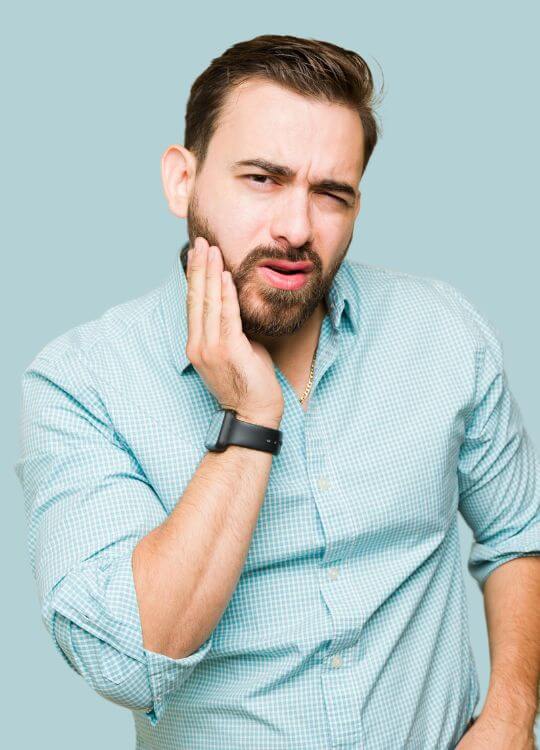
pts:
pixel 87 504
pixel 498 467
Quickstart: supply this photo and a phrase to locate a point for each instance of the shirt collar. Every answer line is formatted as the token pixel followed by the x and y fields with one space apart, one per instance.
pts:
pixel 342 297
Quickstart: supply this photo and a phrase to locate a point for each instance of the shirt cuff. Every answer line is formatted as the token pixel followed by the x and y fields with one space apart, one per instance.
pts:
pixel 167 675
pixel 100 597
pixel 485 558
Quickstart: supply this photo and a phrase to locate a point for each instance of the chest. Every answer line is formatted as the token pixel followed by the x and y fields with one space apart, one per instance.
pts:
pixel 368 459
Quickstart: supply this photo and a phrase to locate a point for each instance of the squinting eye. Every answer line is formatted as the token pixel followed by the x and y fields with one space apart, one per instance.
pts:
pixel 335 197
pixel 266 177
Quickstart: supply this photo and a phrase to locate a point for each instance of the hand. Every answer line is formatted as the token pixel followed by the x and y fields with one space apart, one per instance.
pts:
pixel 492 733
pixel 239 372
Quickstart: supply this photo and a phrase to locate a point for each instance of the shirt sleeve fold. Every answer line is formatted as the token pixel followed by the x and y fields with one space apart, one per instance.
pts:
pixel 498 465
pixel 87 504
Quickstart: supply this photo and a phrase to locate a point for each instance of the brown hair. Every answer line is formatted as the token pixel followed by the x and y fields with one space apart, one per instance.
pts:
pixel 310 67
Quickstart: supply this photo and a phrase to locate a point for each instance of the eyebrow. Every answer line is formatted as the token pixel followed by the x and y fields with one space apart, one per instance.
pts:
pixel 281 171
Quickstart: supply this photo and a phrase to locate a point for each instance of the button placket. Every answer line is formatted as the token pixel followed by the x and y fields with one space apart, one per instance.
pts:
pixel 333 573
pixel 323 483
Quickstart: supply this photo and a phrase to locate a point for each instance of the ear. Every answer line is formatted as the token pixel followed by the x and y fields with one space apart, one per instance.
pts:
pixel 357 210
pixel 177 175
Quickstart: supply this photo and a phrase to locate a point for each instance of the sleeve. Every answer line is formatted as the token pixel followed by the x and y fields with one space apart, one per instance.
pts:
pixel 498 465
pixel 87 504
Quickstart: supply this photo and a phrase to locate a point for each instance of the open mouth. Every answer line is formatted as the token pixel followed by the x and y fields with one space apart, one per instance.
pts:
pixel 287 266
pixel 285 275
pixel 283 272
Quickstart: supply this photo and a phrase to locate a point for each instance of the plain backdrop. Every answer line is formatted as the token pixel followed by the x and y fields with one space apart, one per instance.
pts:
pixel 93 93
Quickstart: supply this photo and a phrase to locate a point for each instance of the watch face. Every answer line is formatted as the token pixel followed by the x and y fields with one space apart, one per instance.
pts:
pixel 211 442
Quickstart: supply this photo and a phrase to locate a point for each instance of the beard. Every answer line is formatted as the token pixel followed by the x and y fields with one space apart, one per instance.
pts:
pixel 266 310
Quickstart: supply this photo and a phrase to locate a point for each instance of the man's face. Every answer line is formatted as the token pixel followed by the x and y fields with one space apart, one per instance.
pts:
pixel 253 214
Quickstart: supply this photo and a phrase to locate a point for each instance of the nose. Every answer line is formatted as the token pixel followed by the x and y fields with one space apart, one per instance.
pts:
pixel 291 220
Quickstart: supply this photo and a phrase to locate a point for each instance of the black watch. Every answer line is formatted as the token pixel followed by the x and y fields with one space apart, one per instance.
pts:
pixel 225 429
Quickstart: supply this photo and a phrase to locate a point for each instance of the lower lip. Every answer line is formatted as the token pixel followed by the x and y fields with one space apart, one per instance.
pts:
pixel 282 280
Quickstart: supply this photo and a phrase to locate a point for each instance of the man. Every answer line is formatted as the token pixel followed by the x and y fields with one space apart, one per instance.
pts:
pixel 243 487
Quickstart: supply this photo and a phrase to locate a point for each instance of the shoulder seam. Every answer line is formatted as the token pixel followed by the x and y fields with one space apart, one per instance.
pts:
pixel 111 433
pixel 449 289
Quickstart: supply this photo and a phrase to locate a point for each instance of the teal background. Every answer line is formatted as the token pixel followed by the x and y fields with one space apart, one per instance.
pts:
pixel 94 93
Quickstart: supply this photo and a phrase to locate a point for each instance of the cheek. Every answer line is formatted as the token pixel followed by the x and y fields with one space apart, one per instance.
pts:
pixel 330 235
pixel 241 225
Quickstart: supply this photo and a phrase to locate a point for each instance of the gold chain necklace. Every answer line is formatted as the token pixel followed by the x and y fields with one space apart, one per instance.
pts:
pixel 310 381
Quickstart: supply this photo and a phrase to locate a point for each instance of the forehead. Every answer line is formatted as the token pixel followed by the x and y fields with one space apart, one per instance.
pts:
pixel 262 119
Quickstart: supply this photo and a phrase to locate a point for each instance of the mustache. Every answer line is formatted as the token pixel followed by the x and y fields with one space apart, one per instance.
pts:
pixel 294 255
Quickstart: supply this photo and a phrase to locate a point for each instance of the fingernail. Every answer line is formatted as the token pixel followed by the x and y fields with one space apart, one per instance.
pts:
pixel 213 253
pixel 198 246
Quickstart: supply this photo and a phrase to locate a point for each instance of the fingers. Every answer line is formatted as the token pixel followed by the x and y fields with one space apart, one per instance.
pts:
pixel 212 298
pixel 195 293
pixel 231 322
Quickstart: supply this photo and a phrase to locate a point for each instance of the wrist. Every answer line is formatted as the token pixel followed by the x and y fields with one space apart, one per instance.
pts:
pixel 263 419
pixel 510 701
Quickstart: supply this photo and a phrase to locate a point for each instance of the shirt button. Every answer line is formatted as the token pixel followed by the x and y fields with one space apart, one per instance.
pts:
pixel 323 483
pixel 336 661
pixel 333 573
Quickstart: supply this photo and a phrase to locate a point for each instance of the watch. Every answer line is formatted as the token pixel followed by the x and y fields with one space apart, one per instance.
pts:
pixel 225 429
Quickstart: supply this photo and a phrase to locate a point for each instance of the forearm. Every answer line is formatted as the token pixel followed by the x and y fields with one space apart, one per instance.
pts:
pixel 186 569
pixel 512 606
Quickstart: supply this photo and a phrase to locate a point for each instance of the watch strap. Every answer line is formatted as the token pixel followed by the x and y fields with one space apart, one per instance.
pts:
pixel 235 431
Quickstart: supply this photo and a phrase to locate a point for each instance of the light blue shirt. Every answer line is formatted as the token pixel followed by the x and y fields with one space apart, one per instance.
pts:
pixel 348 627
